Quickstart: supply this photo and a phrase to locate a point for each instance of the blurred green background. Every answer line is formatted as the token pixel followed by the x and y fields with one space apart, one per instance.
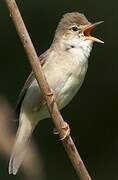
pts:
pixel 93 113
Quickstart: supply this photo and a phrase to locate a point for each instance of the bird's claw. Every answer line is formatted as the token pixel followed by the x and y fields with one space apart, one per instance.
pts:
pixel 66 129
pixel 52 96
pixel 50 93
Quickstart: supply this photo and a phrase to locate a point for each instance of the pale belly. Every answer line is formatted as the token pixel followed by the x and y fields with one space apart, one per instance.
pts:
pixel 65 86
pixel 71 88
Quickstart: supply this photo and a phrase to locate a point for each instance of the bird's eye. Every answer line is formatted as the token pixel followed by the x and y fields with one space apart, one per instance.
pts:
pixel 74 28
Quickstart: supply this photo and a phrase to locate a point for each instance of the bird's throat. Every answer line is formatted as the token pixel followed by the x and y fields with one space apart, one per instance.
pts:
pixel 82 51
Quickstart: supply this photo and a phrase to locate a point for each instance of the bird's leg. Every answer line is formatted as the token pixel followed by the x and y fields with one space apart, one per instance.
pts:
pixel 52 96
pixel 65 128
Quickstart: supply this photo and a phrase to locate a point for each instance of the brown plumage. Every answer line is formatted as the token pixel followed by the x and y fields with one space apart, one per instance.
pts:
pixel 69 19
pixel 65 64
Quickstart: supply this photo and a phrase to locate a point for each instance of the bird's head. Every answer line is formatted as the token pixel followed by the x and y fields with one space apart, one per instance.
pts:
pixel 74 31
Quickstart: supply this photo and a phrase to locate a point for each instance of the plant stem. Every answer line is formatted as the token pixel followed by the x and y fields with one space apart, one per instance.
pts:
pixel 48 95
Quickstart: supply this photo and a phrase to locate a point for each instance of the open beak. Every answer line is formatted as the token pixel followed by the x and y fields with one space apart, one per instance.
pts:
pixel 87 32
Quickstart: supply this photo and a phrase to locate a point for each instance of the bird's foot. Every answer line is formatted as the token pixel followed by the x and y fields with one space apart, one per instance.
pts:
pixel 50 93
pixel 66 129
pixel 52 96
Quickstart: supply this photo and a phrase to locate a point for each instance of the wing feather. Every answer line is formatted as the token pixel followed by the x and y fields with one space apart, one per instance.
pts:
pixel 27 85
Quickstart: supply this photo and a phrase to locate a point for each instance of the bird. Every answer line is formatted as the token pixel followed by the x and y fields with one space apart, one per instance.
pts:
pixel 64 65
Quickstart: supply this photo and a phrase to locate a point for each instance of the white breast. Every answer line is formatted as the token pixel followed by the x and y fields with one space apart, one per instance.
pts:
pixel 74 81
pixel 78 56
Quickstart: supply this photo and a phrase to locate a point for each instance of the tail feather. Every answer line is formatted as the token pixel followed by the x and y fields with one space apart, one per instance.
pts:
pixel 20 147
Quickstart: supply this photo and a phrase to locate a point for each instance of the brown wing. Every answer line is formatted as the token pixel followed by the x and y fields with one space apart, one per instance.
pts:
pixel 27 84
pixel 23 92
